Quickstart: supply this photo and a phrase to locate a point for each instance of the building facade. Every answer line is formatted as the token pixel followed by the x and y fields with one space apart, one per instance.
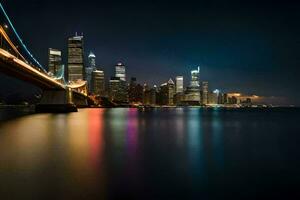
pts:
pixel 166 93
pixel 135 92
pixel 55 62
pixel 204 92
pixel 75 58
pixel 98 83
pixel 120 71
pixel 192 95
pixel 179 84
pixel 89 69
pixel 118 91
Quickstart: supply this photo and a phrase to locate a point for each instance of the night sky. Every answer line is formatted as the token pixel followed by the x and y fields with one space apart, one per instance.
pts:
pixel 250 47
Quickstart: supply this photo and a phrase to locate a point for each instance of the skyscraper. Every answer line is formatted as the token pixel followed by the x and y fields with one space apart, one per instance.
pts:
pixel 192 95
pixel 92 60
pixel 204 91
pixel 195 78
pixel 89 69
pixel 135 92
pixel 54 64
pixel 166 93
pixel 118 90
pixel 98 83
pixel 121 71
pixel 75 58
pixel 179 84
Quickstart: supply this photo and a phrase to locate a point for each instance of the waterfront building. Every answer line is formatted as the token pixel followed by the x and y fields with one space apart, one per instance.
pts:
pixel 192 95
pixel 150 97
pixel 166 93
pixel 213 97
pixel 98 83
pixel 54 63
pixel 92 60
pixel 75 58
pixel 178 98
pixel 179 84
pixel 120 71
pixel 118 90
pixel 89 69
pixel 204 92
pixel 135 92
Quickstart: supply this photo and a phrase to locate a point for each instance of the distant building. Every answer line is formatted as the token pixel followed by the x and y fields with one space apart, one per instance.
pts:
pixel 118 90
pixel 192 94
pixel 135 92
pixel 75 58
pixel 179 84
pixel 214 97
pixel 89 69
pixel 178 99
pixel 54 64
pixel 98 83
pixel 150 97
pixel 204 91
pixel 120 71
pixel 92 60
pixel 166 93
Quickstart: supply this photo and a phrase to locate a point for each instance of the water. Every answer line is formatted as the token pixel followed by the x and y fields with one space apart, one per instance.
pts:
pixel 154 154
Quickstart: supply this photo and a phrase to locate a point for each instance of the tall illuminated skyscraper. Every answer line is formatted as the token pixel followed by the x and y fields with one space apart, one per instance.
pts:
pixel 121 72
pixel 204 90
pixel 98 83
pixel 92 60
pixel 179 84
pixel 54 64
pixel 75 58
pixel 195 78
pixel 89 69
pixel 192 95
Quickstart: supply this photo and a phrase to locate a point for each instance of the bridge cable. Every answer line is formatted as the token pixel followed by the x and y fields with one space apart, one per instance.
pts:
pixel 19 38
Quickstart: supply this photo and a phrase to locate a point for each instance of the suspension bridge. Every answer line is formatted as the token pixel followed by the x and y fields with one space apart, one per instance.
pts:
pixel 18 62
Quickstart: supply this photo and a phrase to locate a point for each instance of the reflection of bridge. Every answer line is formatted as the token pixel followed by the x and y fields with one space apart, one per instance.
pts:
pixel 57 95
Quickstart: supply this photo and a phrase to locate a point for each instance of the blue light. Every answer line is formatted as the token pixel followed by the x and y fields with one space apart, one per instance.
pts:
pixel 20 40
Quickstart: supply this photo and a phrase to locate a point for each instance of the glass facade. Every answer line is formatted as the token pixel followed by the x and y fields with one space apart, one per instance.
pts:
pixel 98 83
pixel 54 62
pixel 121 71
pixel 75 58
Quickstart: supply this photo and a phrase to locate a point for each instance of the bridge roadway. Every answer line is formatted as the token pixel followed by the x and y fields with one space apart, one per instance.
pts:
pixel 53 90
pixel 17 68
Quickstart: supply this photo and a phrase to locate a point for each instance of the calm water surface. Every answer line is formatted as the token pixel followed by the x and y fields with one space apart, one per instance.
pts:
pixel 155 154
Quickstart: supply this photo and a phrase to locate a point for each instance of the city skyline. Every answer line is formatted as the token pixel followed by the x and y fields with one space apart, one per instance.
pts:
pixel 249 68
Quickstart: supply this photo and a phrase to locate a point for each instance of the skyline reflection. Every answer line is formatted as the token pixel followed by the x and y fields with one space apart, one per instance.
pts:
pixel 121 153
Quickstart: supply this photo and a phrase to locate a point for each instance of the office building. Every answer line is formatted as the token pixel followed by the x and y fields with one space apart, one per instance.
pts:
pixel 54 65
pixel 135 92
pixel 179 84
pixel 92 60
pixel 120 71
pixel 166 93
pixel 214 97
pixel 118 90
pixel 89 69
pixel 150 97
pixel 192 94
pixel 75 58
pixel 98 83
pixel 204 92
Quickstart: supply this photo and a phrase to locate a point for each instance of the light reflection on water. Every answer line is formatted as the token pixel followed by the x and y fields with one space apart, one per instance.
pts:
pixel 109 153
